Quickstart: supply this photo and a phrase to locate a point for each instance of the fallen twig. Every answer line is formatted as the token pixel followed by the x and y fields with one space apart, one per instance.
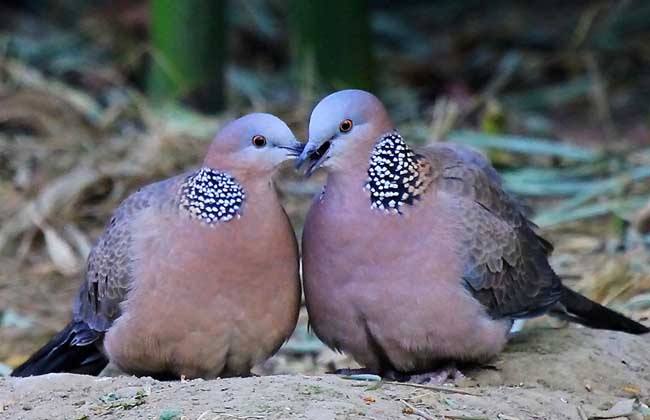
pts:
pixel 443 389
pixel 581 413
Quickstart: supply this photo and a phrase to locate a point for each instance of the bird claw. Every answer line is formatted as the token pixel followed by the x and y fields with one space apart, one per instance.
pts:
pixel 438 377
pixel 447 373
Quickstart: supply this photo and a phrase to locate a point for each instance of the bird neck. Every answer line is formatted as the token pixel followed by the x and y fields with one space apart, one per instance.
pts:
pixel 396 175
pixel 212 196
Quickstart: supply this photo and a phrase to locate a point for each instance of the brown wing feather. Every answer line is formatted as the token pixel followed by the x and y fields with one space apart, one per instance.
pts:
pixel 506 265
pixel 109 269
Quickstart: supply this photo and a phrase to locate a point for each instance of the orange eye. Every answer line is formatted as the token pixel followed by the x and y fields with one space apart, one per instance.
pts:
pixel 258 141
pixel 345 126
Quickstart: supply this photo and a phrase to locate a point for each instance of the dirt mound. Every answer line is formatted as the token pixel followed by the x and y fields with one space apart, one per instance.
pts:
pixel 544 374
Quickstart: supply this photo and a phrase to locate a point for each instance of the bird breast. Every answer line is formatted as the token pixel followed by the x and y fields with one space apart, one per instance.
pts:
pixel 200 302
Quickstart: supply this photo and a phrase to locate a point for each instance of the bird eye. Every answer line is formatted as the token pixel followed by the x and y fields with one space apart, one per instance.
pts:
pixel 258 141
pixel 345 126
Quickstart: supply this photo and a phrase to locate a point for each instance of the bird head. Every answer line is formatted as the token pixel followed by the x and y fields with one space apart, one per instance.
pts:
pixel 255 143
pixel 342 126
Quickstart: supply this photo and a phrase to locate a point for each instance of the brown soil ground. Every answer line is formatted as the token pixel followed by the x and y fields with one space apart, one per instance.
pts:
pixel 570 373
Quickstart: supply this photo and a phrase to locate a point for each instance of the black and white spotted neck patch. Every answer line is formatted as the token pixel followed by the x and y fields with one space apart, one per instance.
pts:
pixel 396 174
pixel 212 196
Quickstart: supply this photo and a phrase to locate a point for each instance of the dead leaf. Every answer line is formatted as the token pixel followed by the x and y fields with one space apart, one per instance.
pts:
pixel 79 239
pixel 60 252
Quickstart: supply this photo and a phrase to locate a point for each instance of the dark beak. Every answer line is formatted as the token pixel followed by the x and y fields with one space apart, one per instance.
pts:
pixel 313 156
pixel 295 149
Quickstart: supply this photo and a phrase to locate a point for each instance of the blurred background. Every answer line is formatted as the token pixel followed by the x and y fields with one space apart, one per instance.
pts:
pixel 100 97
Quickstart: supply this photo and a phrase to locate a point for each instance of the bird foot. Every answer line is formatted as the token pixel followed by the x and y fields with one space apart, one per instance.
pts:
pixel 447 373
pixel 165 376
pixel 438 377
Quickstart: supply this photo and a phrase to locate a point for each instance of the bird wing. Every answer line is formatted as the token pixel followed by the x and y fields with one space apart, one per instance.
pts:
pixel 505 261
pixel 109 270
pixel 468 155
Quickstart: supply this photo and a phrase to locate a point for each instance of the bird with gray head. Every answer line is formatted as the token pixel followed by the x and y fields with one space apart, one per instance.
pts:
pixel 417 257
pixel 194 276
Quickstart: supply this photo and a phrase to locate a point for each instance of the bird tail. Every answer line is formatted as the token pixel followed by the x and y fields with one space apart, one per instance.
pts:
pixel 73 350
pixel 580 309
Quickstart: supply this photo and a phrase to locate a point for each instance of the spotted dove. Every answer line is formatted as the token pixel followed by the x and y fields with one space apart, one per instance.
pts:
pixel 194 276
pixel 414 257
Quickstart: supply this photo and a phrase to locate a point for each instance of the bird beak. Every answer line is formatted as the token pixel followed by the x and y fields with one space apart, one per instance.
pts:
pixel 314 153
pixel 295 149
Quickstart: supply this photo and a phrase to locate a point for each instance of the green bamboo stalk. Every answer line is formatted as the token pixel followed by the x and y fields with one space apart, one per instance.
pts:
pixel 188 52
pixel 331 43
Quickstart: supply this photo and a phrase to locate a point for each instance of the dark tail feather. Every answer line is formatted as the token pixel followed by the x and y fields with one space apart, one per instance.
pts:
pixel 73 350
pixel 591 314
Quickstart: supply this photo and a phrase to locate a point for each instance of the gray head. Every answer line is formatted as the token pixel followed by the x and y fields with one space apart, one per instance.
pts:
pixel 255 143
pixel 342 127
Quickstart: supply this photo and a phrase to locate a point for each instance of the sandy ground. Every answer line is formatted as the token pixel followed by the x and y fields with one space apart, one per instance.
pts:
pixel 570 373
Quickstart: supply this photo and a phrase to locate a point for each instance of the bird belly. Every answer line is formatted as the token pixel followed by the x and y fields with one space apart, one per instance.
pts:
pixel 205 307
pixel 391 305
pixel 406 329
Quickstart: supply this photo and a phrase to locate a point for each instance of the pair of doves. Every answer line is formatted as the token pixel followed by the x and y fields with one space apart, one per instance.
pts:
pixel 411 258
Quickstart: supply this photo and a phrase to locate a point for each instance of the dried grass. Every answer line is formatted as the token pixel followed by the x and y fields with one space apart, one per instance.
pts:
pixel 67 162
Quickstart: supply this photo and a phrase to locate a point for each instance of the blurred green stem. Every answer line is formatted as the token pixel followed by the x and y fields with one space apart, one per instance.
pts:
pixel 331 43
pixel 188 52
